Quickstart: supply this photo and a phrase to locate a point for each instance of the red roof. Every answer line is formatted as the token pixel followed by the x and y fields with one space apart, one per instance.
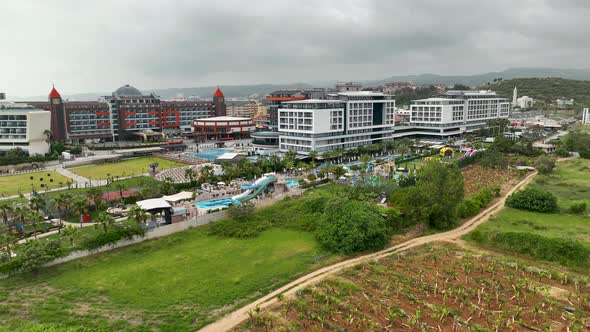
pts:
pixel 218 93
pixel 54 93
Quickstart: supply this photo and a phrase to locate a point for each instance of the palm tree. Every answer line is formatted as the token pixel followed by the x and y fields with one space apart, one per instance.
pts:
pixel 137 213
pixel 190 174
pixel 313 154
pixel 80 205
pixel 64 202
pixel 36 219
pixel 105 221
pixel 37 202
pixel 96 195
pixel 21 212
pixel 205 174
pixel 47 133
pixel 69 232
pixel 120 187
pixel 6 211
pixel 7 239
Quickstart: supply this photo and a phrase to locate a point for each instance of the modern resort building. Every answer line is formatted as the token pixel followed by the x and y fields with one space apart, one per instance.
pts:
pixel 23 126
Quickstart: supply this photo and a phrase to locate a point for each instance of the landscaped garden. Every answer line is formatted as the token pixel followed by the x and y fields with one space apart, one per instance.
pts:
pixel 25 183
pixel 129 167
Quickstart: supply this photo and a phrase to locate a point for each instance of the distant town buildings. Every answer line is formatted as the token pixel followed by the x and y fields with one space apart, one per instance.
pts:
pixel 348 86
pixel 241 108
pixel 564 102
pixel 585 116
pixel 393 87
pixel 23 126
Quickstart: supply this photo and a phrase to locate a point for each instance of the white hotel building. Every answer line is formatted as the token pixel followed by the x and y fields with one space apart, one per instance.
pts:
pixel 23 126
pixel 457 112
pixel 350 119
pixel 344 120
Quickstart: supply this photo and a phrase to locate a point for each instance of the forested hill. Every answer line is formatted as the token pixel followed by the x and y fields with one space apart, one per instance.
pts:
pixel 544 89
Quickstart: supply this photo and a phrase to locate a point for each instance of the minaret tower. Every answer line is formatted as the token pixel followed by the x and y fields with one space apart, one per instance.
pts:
pixel 514 96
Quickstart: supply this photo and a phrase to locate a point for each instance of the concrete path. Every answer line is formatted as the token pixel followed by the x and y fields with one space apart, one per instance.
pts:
pixel 77 178
pixel 234 318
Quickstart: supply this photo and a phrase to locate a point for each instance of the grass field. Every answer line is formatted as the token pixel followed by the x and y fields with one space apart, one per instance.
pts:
pixel 569 182
pixel 176 283
pixel 123 168
pixel 549 225
pixel 21 183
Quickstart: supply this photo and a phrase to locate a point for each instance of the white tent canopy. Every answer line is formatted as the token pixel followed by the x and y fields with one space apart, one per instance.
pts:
pixel 181 196
pixel 153 204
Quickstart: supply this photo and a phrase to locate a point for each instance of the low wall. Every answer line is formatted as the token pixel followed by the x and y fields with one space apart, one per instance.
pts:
pixel 152 234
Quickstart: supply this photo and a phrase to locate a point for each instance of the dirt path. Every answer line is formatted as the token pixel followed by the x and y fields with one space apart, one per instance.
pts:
pixel 234 318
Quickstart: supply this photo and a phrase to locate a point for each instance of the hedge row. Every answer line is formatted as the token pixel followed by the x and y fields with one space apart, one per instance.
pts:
pixel 472 205
pixel 563 251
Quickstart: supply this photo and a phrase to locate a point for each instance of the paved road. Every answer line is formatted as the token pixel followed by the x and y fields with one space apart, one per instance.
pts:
pixel 234 318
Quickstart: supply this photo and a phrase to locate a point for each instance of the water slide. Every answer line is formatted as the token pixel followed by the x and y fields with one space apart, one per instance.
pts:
pixel 254 189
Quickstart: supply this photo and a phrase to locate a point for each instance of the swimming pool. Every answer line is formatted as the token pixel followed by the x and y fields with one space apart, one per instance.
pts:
pixel 292 182
pixel 210 154
pixel 220 203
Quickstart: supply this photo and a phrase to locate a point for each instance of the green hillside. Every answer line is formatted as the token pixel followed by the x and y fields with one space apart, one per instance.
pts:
pixel 545 89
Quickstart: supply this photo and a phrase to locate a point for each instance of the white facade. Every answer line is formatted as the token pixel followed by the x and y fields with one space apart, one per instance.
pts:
pixel 345 120
pixel 23 126
pixel 524 102
pixel 458 112
pixel 585 116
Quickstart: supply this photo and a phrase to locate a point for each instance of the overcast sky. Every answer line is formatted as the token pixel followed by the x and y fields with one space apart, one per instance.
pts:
pixel 96 46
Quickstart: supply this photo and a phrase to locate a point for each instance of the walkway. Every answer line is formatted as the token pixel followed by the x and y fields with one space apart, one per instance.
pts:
pixel 77 178
pixel 234 318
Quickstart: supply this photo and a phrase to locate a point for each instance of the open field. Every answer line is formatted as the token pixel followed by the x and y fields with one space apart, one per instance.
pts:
pixel 569 182
pixel 439 287
pixel 177 283
pixel 550 225
pixel 21 183
pixel 123 168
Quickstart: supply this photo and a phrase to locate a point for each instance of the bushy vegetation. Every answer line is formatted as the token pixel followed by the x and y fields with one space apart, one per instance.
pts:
pixel 362 225
pixel 435 197
pixel 473 204
pixel 578 207
pixel 533 200
pixel 578 141
pixel 351 226
pixel 564 251
pixel 19 156
pixel 112 235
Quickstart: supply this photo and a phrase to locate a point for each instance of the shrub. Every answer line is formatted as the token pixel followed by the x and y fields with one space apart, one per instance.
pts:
pixel 564 251
pixel 533 200
pixel 238 228
pixel 33 254
pixel 561 152
pixel 472 205
pixel 578 207
pixel 112 235
pixel 469 207
pixel 351 226
pixel 545 164
pixel 493 159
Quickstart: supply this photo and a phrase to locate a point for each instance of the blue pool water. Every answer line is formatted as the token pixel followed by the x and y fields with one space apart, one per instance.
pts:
pixel 292 182
pixel 220 203
pixel 210 154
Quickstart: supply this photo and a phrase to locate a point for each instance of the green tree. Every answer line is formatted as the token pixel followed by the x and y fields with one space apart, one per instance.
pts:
pixel 105 221
pixel 95 194
pixel 434 198
pixel 137 213
pixel 313 154
pixel 338 171
pixel 69 233
pixel 545 164
pixel 6 212
pixel 79 204
pixel 365 158
pixel 7 239
pixel 350 226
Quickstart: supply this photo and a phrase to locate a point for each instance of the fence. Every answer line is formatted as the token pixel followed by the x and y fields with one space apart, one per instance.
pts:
pixel 152 234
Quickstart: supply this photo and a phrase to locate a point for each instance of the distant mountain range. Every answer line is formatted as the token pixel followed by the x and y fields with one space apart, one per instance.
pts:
pixel 240 91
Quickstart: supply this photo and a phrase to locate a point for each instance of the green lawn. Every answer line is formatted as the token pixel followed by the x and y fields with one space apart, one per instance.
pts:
pixel 549 225
pixel 123 168
pixel 569 182
pixel 21 183
pixel 177 283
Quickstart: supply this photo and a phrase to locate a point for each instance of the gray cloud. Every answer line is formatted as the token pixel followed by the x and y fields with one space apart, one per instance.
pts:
pixel 96 46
